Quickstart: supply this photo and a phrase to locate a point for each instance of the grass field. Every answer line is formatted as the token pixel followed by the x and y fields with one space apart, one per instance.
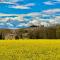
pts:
pixel 29 49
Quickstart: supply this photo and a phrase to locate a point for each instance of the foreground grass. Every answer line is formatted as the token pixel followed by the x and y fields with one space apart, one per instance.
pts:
pixel 29 49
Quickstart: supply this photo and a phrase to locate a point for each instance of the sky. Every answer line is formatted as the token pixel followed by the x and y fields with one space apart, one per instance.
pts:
pixel 19 13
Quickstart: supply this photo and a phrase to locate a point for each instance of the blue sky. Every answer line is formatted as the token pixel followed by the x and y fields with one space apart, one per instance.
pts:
pixel 36 6
pixel 26 10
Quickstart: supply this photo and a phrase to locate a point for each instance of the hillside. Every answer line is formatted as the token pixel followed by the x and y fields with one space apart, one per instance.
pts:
pixel 34 32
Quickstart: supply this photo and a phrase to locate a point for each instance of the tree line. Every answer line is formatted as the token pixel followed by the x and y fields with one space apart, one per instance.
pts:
pixel 31 33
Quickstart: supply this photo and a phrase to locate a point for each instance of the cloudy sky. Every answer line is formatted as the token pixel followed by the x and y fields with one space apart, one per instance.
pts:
pixel 23 11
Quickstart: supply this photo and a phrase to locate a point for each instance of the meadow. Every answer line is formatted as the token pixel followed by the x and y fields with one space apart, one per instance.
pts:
pixel 30 49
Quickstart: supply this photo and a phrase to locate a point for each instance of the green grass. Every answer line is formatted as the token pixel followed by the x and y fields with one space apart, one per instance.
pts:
pixel 29 49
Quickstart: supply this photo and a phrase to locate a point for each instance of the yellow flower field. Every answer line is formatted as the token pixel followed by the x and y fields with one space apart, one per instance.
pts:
pixel 30 49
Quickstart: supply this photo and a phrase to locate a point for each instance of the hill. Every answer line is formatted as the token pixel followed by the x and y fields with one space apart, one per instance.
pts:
pixel 33 32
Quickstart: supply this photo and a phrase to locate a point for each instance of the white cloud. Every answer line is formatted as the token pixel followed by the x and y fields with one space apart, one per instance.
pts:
pixel 36 18
pixel 45 24
pixel 38 21
pixel 7 2
pixel 23 25
pixel 6 25
pixel 19 17
pixel 9 24
pixel 33 14
pixel 2 14
pixel 4 19
pixel 1 24
pixel 55 21
pixel 53 2
pixel 10 0
pixel 51 11
pixel 20 7
pixel 26 6
pixel 35 22
pixel 48 3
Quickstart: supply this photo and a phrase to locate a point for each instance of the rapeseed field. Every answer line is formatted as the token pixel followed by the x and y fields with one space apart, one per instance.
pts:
pixel 30 49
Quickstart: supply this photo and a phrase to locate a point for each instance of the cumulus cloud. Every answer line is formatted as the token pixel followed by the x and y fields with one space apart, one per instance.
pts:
pixel 39 23
pixel 55 21
pixel 20 7
pixel 3 14
pixel 9 24
pixel 10 0
pixel 27 6
pixel 53 2
pixel 36 19
pixel 48 3
pixel 22 25
pixel 34 22
pixel 19 17
pixel 6 25
pixel 45 24
pixel 51 11
pixel 30 4
pixel 49 22
pixel 7 3
pixel 1 24
pixel 34 14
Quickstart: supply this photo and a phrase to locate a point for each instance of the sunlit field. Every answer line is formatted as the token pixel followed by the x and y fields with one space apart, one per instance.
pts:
pixel 30 49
